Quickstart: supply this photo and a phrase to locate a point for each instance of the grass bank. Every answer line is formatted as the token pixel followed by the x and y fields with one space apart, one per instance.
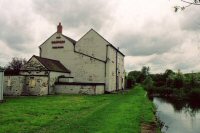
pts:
pixel 117 113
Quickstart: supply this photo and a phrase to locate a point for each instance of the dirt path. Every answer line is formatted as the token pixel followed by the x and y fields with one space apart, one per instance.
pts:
pixel 148 128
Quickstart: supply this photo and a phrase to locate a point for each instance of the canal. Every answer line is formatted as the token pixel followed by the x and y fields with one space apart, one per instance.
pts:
pixel 178 116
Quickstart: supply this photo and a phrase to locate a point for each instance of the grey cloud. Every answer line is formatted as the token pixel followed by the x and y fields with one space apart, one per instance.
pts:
pixel 74 14
pixel 154 37
pixel 183 65
pixel 190 19
pixel 141 44
pixel 14 35
pixel 15 30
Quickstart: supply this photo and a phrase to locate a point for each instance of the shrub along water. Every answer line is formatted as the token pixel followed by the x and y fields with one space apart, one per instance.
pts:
pixel 176 85
pixel 168 84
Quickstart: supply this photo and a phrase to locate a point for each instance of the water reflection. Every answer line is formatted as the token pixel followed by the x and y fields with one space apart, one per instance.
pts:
pixel 178 116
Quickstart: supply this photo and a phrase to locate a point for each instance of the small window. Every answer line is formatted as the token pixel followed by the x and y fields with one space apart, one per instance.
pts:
pixel 32 82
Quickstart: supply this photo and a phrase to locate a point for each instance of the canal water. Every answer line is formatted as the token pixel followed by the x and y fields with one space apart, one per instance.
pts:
pixel 178 116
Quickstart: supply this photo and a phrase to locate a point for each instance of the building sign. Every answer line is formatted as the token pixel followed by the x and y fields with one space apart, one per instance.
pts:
pixel 58 44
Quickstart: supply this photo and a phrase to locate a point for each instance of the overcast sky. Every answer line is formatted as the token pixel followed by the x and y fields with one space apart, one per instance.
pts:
pixel 150 33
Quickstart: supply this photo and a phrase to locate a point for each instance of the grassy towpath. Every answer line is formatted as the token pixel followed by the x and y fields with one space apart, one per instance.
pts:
pixel 108 113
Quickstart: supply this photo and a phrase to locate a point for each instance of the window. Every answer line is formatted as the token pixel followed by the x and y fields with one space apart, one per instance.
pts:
pixel 32 82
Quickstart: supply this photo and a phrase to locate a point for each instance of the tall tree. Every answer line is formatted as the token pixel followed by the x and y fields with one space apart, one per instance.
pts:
pixel 16 63
pixel 179 80
pixel 134 75
pixel 144 73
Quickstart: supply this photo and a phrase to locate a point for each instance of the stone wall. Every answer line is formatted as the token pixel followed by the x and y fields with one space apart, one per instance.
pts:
pixel 36 85
pixel 13 85
pixel 78 88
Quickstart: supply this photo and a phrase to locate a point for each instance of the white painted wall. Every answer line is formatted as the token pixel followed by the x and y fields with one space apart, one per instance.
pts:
pixel 83 68
pixel 53 77
pixel 121 71
pixel 65 55
pixel 92 44
pixel 66 79
pixel 79 89
pixel 111 72
pixel 13 85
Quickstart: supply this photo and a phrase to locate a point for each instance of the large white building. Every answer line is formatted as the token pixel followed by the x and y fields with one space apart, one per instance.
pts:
pixel 91 65
pixel 91 59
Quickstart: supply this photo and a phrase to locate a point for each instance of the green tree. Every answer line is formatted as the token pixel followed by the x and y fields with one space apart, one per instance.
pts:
pixel 134 75
pixel 144 73
pixel 148 82
pixel 169 77
pixel 178 80
pixel 193 79
pixel 168 72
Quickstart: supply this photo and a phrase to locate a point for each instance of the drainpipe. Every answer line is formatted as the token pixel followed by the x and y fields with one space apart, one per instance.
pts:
pixel 40 51
pixel 48 81
pixel 116 72
pixel 106 69
pixel 106 58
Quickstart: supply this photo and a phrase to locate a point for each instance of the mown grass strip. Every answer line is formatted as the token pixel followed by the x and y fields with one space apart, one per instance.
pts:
pixel 122 112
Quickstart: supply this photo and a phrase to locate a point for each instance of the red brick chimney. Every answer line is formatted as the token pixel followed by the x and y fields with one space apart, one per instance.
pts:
pixel 59 28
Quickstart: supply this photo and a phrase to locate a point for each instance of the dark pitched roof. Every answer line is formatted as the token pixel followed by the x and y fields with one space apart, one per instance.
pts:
pixel 10 72
pixel 70 39
pixel 52 65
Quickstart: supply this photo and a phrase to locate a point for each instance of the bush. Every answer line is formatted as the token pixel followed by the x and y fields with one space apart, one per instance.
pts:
pixel 194 94
pixel 159 83
pixel 148 82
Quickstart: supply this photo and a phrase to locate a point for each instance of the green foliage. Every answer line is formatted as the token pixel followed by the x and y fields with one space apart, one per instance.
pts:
pixel 122 113
pixel 148 82
pixel 144 73
pixel 168 73
pixel 192 80
pixel 134 76
pixel 195 94
pixel 174 84
pixel 179 80
pixel 170 79
pixel 137 76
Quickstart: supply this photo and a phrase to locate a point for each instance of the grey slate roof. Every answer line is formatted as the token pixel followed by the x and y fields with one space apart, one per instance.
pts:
pixel 52 65
pixel 70 39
